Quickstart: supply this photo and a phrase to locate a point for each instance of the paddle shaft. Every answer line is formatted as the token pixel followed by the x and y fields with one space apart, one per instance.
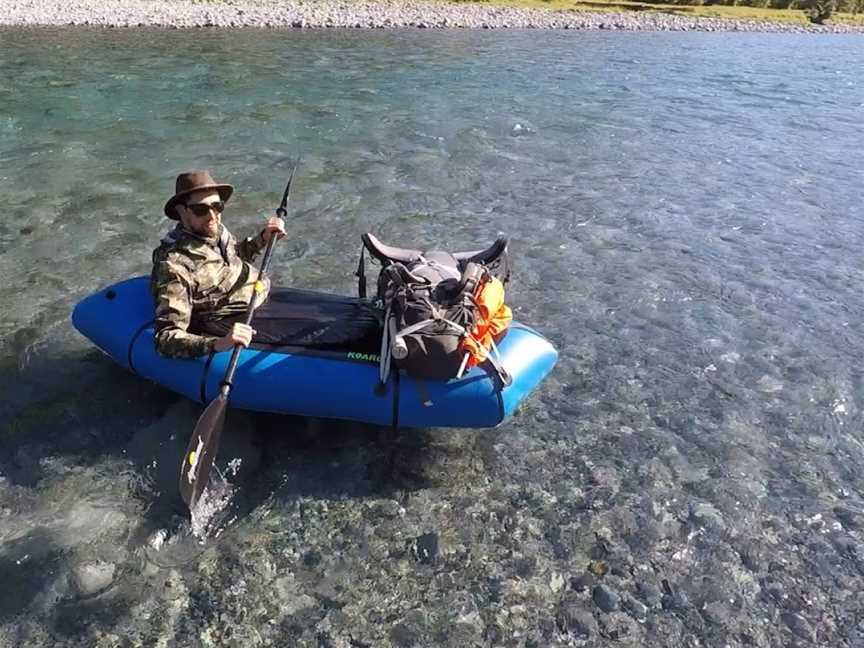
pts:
pixel 281 212
pixel 250 313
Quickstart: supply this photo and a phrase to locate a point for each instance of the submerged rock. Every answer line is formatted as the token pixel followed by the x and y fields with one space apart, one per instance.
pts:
pixel 716 612
pixel 707 516
pixel 573 618
pixel 425 548
pixel 93 578
pixel 849 518
pixel 673 597
pixel 618 626
pixel 410 631
pixel 582 583
pixel 606 598
pixel 799 626
pixel 650 594
pixel 769 384
pixel 634 607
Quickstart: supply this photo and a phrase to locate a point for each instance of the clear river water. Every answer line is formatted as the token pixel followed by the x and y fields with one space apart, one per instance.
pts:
pixel 686 224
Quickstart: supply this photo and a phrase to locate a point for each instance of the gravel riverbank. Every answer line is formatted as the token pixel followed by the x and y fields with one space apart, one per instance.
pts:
pixel 371 15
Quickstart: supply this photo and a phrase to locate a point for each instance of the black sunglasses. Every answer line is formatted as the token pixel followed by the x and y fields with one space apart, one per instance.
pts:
pixel 202 209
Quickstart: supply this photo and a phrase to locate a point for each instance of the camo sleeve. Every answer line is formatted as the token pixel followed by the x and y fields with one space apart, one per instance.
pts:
pixel 172 287
pixel 250 247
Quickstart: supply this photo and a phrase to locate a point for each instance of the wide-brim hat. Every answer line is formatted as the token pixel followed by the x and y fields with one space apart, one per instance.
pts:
pixel 190 182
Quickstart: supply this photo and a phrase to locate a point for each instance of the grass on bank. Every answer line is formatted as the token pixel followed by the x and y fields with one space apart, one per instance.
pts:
pixel 695 10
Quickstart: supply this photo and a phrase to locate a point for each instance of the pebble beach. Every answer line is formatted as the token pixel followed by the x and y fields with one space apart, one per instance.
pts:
pixel 381 14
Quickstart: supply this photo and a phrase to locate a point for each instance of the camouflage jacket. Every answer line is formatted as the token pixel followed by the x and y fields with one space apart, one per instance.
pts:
pixel 196 280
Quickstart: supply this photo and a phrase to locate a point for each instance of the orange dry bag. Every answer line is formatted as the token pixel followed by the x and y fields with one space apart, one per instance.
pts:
pixel 493 318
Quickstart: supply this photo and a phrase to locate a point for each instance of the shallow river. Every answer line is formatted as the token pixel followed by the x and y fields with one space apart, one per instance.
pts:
pixel 685 214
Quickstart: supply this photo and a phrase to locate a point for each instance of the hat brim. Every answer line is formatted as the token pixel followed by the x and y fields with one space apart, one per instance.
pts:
pixel 225 191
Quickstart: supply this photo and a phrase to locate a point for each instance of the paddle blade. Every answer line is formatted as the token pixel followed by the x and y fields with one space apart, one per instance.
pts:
pixel 203 446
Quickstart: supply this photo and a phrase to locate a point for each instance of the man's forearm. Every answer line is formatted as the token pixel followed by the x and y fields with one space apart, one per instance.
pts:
pixel 251 247
pixel 173 342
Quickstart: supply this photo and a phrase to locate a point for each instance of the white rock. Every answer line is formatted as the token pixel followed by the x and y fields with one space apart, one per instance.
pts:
pixel 92 578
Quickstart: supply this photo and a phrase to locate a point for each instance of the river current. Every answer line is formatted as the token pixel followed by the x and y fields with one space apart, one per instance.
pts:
pixel 685 217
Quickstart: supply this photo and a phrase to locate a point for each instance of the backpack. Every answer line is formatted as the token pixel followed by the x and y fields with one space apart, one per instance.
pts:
pixel 433 304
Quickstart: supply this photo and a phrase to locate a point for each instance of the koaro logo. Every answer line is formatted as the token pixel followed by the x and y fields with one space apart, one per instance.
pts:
pixel 366 357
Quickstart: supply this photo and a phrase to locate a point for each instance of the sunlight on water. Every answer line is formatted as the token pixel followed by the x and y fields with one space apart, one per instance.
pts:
pixel 214 500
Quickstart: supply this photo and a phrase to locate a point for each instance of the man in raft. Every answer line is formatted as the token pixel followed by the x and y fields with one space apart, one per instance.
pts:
pixel 202 276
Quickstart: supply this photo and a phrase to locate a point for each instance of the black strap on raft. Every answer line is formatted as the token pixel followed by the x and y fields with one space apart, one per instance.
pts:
pixel 361 274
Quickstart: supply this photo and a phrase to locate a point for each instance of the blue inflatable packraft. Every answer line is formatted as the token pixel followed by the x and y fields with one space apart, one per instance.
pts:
pixel 341 384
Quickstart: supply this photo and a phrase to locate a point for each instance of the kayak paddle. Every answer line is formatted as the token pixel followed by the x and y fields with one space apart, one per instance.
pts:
pixel 204 444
